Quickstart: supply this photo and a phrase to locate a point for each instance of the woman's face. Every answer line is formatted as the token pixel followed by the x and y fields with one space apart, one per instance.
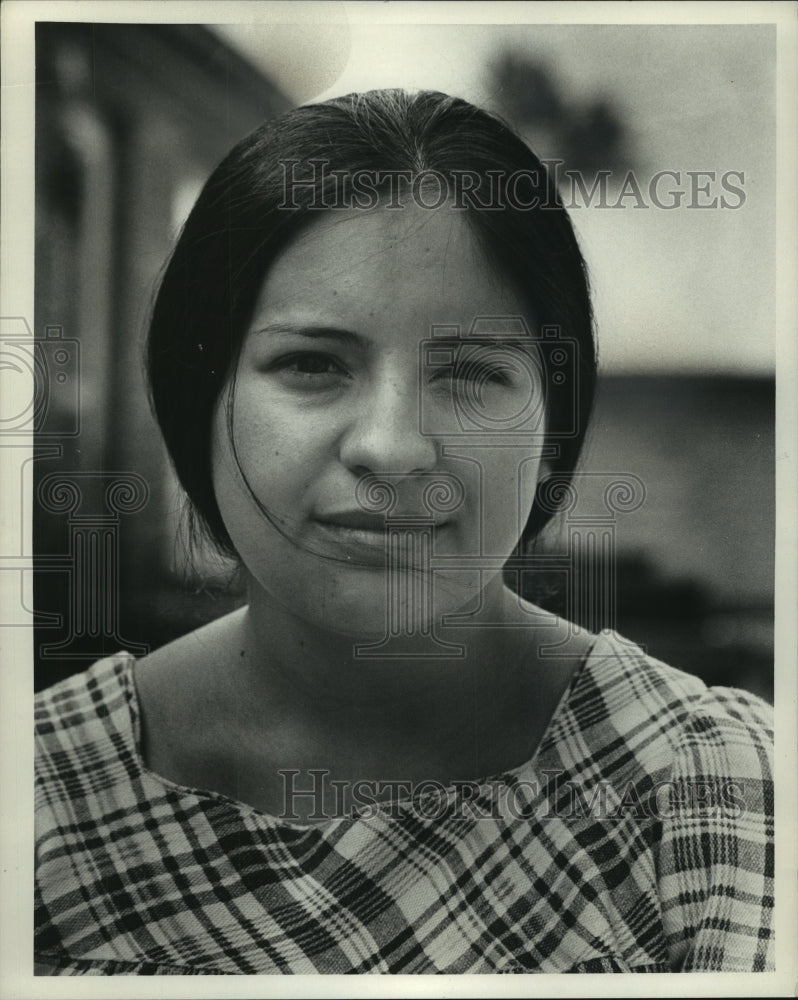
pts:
pixel 341 389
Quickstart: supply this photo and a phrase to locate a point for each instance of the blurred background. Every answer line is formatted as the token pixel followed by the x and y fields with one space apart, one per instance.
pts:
pixel 130 119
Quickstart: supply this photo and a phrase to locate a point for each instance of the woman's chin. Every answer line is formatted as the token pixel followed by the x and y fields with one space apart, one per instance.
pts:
pixel 367 607
pixel 404 617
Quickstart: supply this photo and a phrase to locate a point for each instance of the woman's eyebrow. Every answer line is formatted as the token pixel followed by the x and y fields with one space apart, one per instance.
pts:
pixel 312 332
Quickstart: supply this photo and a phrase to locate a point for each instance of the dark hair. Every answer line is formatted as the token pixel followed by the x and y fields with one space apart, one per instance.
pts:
pixel 243 219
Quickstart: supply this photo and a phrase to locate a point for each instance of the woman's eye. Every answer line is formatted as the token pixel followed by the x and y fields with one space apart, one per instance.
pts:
pixel 496 374
pixel 499 373
pixel 483 368
pixel 310 366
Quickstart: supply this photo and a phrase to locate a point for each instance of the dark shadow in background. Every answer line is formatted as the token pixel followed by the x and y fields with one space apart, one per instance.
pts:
pixel 130 119
pixel 586 135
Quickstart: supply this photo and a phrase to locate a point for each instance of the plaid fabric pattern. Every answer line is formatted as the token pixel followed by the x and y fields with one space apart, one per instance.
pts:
pixel 640 838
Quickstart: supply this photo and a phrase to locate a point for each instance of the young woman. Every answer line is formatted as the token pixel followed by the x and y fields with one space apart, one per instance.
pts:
pixel 372 361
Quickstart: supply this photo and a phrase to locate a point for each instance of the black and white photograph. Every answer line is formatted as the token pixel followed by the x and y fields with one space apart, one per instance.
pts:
pixel 398 561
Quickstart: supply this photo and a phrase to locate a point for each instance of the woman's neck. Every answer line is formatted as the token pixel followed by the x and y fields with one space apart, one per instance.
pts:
pixel 259 693
pixel 325 684
pixel 320 670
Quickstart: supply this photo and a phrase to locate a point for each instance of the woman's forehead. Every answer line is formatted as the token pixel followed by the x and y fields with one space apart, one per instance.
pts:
pixel 410 260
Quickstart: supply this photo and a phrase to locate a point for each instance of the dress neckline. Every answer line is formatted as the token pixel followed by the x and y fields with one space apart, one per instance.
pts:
pixel 127 662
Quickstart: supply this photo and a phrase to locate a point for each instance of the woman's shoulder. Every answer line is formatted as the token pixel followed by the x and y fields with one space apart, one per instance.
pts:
pixel 691 765
pixel 84 704
pixel 631 713
pixel 92 722
pixel 670 782
pixel 173 671
pixel 85 743
pixel 621 666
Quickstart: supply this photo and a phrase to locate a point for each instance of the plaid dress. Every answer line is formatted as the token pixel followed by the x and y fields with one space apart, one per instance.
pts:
pixel 638 838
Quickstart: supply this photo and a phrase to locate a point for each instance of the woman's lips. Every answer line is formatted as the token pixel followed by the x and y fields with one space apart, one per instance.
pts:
pixel 363 537
pixel 360 545
pixel 354 520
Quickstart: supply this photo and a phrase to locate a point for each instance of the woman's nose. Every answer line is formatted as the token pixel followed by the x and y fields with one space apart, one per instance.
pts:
pixel 384 431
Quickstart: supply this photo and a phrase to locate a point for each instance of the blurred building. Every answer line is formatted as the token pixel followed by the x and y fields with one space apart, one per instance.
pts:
pixel 130 120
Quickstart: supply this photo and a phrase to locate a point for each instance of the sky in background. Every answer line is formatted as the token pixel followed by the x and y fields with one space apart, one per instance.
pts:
pixel 688 290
